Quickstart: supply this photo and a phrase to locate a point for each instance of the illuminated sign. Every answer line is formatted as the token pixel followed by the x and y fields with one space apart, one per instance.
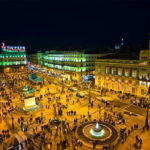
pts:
pixel 16 47
pixel 12 47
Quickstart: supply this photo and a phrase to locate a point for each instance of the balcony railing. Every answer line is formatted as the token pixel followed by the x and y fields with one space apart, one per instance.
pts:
pixel 144 79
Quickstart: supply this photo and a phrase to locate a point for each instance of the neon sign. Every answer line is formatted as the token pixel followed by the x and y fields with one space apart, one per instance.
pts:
pixel 6 48
pixel 16 47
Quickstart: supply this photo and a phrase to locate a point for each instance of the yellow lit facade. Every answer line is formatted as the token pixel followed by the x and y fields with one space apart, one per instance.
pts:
pixel 129 74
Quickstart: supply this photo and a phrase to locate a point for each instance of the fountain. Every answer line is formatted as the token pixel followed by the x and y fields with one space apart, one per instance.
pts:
pixel 97 132
pixel 100 132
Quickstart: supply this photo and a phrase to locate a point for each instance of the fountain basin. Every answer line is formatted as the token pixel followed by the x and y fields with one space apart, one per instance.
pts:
pixel 104 135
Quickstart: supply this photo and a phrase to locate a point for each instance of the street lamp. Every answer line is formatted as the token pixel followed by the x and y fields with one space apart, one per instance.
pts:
pixel 62 82
pixel 89 87
pixel 146 121
pixel 12 122
pixel 41 115
pixel 54 106
pixel 99 110
pixel 62 86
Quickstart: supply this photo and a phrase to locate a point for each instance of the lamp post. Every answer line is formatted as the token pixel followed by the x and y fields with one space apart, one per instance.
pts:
pixel 54 106
pixel 12 122
pixel 41 115
pixel 62 75
pixel 62 85
pixel 99 110
pixel 89 87
pixel 147 110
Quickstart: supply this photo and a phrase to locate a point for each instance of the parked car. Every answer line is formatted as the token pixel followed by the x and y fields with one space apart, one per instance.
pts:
pixel 81 94
pixel 68 85
pixel 75 85
pixel 104 99
pixel 54 121
pixel 73 89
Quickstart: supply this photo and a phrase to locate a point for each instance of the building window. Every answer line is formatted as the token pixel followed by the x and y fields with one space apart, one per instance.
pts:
pixel 107 85
pixel 113 71
pixel 120 72
pixel 113 86
pixel 126 89
pixel 133 90
pixel 99 70
pixel 144 75
pixel 119 87
pixel 126 72
pixel 142 92
pixel 107 70
pixel 134 73
pixel 99 83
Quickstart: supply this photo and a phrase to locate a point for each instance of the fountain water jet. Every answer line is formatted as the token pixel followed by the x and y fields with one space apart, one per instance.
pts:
pixel 97 132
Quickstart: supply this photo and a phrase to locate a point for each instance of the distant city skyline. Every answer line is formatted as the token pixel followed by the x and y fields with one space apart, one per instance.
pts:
pixel 49 25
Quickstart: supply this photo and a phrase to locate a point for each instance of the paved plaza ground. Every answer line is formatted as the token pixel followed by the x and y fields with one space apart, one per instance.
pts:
pixel 52 88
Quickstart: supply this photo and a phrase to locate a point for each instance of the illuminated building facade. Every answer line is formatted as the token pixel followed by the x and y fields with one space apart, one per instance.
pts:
pixel 35 58
pixel 73 64
pixel 12 59
pixel 128 73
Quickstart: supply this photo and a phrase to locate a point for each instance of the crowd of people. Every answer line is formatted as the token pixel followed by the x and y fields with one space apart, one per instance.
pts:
pixel 62 134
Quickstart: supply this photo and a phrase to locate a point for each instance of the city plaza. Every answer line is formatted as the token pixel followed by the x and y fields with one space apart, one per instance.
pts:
pixel 43 108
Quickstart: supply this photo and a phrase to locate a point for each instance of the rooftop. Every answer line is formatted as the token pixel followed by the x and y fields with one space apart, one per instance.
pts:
pixel 79 51
pixel 123 56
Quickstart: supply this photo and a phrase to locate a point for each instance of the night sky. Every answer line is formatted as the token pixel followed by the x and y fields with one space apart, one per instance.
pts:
pixel 74 24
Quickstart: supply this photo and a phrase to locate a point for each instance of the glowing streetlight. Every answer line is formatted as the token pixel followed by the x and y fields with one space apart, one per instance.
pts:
pixel 146 121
